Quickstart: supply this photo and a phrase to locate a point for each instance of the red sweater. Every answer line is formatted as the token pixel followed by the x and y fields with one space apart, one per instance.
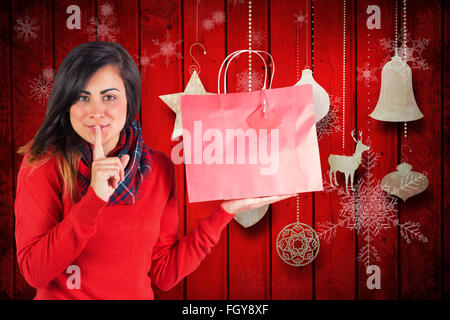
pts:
pixel 118 250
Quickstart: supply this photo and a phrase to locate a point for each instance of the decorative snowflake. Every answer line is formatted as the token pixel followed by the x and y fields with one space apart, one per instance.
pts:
pixel 26 28
pixel 166 48
pixel 367 74
pixel 144 62
pixel 106 10
pixel 48 73
pixel 208 24
pixel 411 52
pixel 258 38
pixel 243 78
pixel 299 19
pixel 217 18
pixel 106 27
pixel 368 210
pixel 331 122
pixel 41 86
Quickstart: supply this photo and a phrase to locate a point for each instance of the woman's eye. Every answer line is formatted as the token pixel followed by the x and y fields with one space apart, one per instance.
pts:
pixel 83 98
pixel 109 98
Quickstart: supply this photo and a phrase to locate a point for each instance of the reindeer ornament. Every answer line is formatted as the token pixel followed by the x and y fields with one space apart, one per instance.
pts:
pixel 347 164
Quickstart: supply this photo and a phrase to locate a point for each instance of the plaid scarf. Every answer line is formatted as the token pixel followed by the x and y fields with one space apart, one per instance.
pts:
pixel 138 167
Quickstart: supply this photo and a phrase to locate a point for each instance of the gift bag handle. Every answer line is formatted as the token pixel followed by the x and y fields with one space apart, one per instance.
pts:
pixel 234 55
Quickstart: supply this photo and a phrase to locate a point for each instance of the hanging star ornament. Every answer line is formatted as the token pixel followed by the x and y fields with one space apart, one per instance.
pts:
pixel 194 86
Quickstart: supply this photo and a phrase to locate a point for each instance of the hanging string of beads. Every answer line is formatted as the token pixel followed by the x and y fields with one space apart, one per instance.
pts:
pixel 404 30
pixel 250 45
pixel 343 78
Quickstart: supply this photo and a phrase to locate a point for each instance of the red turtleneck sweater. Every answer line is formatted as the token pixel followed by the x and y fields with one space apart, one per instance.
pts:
pixel 89 251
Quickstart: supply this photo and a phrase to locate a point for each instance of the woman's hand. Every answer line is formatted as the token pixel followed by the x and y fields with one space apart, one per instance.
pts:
pixel 240 205
pixel 106 171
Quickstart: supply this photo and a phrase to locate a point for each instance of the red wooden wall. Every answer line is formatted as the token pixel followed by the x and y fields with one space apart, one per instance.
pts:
pixel 245 264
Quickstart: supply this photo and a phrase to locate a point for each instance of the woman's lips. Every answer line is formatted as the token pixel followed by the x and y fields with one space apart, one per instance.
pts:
pixel 92 128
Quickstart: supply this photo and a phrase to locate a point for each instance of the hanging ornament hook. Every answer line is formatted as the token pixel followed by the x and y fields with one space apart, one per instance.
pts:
pixel 404 157
pixel 196 67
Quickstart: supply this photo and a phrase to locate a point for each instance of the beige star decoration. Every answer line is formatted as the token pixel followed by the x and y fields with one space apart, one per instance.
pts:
pixel 194 86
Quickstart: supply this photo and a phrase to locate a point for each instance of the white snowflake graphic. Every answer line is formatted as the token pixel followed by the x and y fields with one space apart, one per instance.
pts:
pixel 331 122
pixel 368 210
pixel 106 26
pixel 167 48
pixel 300 19
pixel 41 86
pixel 208 24
pixel 26 28
pixel 106 10
pixel 48 73
pixel 144 62
pixel 243 80
pixel 367 74
pixel 258 39
pixel 413 50
pixel 217 18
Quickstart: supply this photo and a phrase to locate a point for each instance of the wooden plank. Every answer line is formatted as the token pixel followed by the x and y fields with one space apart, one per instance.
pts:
pixel 383 140
pixel 249 249
pixel 204 22
pixel 446 153
pixel 424 136
pixel 161 25
pixel 289 282
pixel 335 265
pixel 32 56
pixel 6 172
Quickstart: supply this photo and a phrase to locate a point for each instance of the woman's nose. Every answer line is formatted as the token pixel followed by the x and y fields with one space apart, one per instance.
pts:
pixel 97 109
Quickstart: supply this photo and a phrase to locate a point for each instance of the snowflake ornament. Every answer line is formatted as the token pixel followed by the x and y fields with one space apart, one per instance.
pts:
pixel 410 50
pixel 258 38
pixel 167 48
pixel 41 86
pixel 369 210
pixel 106 27
pixel 217 18
pixel 106 10
pixel 26 28
pixel 299 19
pixel 331 122
pixel 244 80
pixel 208 24
pixel 367 74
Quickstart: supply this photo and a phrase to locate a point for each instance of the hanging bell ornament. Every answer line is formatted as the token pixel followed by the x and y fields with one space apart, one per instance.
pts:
pixel 321 98
pixel 396 102
pixel 404 183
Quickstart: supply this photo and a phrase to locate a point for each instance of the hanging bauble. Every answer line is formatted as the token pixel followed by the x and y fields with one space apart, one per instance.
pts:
pixel 321 98
pixel 404 183
pixel 297 244
pixel 251 217
pixel 396 102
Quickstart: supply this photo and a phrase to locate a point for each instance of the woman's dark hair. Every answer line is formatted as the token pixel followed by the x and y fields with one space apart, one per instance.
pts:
pixel 56 135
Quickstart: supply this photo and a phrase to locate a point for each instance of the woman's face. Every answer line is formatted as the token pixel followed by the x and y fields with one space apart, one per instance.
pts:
pixel 102 101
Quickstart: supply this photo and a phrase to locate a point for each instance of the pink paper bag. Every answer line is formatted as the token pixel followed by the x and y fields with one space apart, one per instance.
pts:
pixel 250 144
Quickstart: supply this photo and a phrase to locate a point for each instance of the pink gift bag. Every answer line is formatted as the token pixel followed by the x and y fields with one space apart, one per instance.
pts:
pixel 250 144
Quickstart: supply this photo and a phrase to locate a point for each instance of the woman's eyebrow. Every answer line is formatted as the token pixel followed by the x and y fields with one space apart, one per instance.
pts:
pixel 101 92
